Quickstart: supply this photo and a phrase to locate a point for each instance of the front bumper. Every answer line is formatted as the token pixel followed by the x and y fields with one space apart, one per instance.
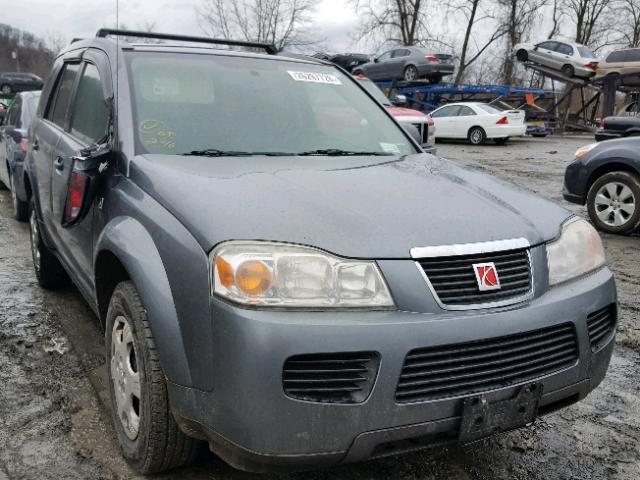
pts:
pixel 602 134
pixel 250 422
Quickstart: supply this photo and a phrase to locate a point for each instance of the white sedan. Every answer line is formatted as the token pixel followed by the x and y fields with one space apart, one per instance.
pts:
pixel 478 122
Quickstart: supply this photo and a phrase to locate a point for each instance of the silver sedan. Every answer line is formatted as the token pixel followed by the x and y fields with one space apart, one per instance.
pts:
pixel 407 63
pixel 572 59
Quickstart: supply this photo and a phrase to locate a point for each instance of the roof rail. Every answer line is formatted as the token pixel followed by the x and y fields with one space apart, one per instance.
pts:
pixel 268 47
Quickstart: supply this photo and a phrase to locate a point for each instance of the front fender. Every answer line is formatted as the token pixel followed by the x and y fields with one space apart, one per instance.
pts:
pixel 132 244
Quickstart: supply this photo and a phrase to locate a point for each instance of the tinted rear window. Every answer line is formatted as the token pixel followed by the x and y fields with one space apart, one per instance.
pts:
pixel 488 108
pixel 585 52
pixel 616 56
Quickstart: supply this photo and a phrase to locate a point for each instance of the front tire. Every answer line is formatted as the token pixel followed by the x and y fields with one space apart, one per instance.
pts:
pixel 48 269
pixel 613 203
pixel 522 55
pixel 149 436
pixel 410 73
pixel 476 136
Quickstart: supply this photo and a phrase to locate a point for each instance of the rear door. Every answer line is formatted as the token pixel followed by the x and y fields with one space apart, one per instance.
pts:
pixel 89 117
pixel 465 119
pixel 46 135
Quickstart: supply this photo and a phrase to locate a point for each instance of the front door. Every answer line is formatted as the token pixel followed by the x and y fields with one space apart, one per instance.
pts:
pixel 46 136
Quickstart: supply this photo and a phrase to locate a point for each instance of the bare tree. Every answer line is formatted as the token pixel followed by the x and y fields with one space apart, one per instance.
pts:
pixel 557 13
pixel 472 48
pixel 629 28
pixel 280 22
pixel 518 16
pixel 589 16
pixel 401 22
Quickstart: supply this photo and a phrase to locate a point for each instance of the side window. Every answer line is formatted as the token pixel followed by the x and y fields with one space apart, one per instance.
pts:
pixel 385 56
pixel 401 53
pixel 633 55
pixel 565 49
pixel 465 111
pixel 58 109
pixel 90 116
pixel 450 111
pixel 618 56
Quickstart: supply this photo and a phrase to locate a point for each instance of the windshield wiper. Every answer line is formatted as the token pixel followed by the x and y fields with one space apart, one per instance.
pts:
pixel 214 152
pixel 336 152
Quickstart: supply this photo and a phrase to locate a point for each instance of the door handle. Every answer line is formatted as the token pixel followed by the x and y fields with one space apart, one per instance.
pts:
pixel 59 164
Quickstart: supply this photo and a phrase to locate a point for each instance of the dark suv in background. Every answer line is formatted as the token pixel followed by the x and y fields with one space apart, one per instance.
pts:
pixel 19 82
pixel 284 274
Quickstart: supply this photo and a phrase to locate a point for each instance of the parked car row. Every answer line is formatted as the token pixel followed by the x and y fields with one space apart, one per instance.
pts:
pixel 14 128
pixel 359 320
pixel 576 60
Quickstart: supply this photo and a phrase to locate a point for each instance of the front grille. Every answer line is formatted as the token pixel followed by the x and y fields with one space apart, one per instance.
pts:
pixel 467 368
pixel 424 131
pixel 330 377
pixel 454 280
pixel 601 326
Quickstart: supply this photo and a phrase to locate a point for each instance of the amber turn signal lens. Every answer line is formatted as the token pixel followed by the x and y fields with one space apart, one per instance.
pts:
pixel 253 277
pixel 225 272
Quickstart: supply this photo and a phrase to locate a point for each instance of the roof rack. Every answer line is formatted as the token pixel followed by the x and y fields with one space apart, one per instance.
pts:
pixel 268 47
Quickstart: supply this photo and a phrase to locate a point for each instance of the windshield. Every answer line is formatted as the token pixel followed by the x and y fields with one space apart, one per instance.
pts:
pixel 585 52
pixel 187 103
pixel 375 91
pixel 488 108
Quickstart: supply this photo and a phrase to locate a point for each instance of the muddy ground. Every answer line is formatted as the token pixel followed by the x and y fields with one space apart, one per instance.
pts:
pixel 54 417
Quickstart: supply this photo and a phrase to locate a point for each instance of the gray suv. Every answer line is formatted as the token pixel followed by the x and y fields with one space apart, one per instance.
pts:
pixel 284 275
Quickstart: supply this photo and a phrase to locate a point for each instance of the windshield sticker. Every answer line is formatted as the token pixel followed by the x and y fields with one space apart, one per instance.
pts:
pixel 164 87
pixel 315 77
pixel 390 148
pixel 153 132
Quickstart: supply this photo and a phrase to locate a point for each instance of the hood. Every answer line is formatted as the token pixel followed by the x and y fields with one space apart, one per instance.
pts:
pixel 405 112
pixel 359 207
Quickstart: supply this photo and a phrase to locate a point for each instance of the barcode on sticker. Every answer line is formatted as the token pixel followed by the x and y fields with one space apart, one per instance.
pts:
pixel 315 77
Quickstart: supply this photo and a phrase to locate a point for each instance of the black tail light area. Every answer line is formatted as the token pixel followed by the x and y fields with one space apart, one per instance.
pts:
pixel 601 325
pixel 76 192
pixel 345 377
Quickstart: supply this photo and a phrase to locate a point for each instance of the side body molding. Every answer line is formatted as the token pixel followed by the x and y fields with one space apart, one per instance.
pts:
pixel 132 244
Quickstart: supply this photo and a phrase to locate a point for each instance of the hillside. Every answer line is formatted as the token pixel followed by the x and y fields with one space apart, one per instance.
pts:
pixel 34 55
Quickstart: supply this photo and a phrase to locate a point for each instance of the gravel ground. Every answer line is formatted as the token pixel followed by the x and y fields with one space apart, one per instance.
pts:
pixel 54 412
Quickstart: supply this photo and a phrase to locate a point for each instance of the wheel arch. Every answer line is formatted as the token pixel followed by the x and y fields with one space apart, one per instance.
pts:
pixel 125 250
pixel 614 166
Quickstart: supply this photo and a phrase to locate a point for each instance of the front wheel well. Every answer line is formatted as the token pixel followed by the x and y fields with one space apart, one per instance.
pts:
pixel 608 168
pixel 109 272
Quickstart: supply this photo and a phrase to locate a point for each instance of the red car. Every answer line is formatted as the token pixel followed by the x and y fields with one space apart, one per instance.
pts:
pixel 424 123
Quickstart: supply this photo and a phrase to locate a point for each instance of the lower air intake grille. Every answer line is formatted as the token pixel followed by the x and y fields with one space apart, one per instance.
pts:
pixel 468 368
pixel 601 325
pixel 455 283
pixel 330 377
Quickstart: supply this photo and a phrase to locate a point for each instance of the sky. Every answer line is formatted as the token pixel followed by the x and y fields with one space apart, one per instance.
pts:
pixel 333 20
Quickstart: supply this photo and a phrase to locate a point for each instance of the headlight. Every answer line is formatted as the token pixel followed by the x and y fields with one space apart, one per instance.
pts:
pixel 282 275
pixel 578 251
pixel 582 151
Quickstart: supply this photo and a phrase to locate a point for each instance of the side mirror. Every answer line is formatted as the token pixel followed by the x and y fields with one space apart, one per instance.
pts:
pixel 413 131
pixel 399 100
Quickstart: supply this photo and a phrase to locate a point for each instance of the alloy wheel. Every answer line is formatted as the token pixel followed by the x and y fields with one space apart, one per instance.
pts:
pixel 615 204
pixel 410 73
pixel 125 376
